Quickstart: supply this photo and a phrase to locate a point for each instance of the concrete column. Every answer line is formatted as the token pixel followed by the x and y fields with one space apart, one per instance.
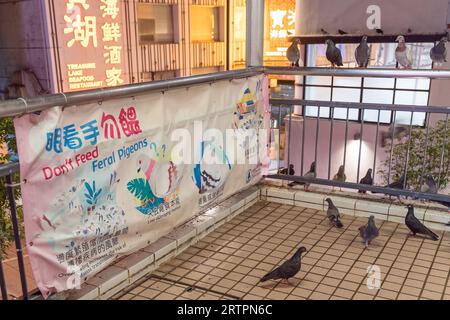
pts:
pixel 255 33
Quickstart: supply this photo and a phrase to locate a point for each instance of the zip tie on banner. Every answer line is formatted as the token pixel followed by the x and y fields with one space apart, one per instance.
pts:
pixel 13 185
pixel 26 105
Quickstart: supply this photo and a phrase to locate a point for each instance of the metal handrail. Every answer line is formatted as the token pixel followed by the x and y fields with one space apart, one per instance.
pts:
pixel 352 72
pixel 11 108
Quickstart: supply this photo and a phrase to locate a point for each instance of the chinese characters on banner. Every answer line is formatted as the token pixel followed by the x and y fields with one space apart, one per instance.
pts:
pixel 92 45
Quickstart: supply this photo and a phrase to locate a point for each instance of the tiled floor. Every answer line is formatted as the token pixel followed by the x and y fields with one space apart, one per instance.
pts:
pixel 228 263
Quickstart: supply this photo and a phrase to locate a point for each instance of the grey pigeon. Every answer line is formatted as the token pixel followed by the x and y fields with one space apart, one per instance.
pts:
pixel 293 53
pixel 288 269
pixel 403 53
pixel 287 171
pixel 340 176
pixel 341 32
pixel 429 185
pixel 379 31
pixel 324 31
pixel 362 53
pixel 369 231
pixel 310 174
pixel 333 214
pixel 416 226
pixel 398 184
pixel 367 179
pixel 438 53
pixel 333 54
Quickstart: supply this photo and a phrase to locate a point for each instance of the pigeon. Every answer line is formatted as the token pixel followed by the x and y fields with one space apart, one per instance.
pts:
pixel 324 31
pixel 341 32
pixel 429 185
pixel 416 226
pixel 379 31
pixel 367 179
pixel 362 53
pixel 333 54
pixel 369 231
pixel 438 53
pixel 340 176
pixel 288 269
pixel 333 214
pixel 293 53
pixel 289 171
pixel 310 174
pixel 403 53
pixel 399 184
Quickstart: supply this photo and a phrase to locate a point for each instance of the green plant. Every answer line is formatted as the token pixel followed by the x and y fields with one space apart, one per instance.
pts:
pixel 7 138
pixel 430 155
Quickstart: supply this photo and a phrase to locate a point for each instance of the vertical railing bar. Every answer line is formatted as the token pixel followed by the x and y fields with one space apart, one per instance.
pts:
pixel 360 145
pixel 317 136
pixel 345 138
pixel 444 143
pixel 376 145
pixel 15 225
pixel 279 138
pixel 290 138
pixel 303 140
pixel 426 148
pixel 394 117
pixel 2 282
pixel 331 143
pixel 407 151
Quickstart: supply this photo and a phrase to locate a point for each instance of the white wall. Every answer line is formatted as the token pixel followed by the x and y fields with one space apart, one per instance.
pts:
pixel 351 16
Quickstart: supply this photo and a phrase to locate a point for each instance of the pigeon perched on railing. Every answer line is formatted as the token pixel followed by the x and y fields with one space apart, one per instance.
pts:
pixel 288 269
pixel 416 226
pixel 340 176
pixel 429 185
pixel 438 53
pixel 333 54
pixel 367 179
pixel 362 53
pixel 287 171
pixel 341 32
pixel 310 174
pixel 333 214
pixel 369 231
pixel 293 53
pixel 403 53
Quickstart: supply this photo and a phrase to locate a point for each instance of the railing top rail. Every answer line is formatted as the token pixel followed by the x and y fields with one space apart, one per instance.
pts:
pixel 358 105
pixel 353 72
pixel 21 106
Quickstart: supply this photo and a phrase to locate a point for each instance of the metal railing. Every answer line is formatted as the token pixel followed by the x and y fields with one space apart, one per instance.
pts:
pixel 19 107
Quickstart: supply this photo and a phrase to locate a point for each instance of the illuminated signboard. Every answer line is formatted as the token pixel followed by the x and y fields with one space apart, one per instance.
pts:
pixel 281 25
pixel 91 44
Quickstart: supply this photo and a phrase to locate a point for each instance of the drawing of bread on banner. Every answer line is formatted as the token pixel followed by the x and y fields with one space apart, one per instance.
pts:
pixel 212 170
pixel 161 179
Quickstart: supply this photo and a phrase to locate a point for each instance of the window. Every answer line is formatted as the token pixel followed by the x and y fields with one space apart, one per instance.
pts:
pixel 369 90
pixel 156 23
pixel 206 23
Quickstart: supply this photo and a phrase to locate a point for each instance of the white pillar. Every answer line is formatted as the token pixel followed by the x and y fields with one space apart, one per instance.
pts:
pixel 255 33
pixel 298 79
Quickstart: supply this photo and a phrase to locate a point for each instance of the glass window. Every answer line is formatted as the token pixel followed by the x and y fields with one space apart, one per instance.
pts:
pixel 374 90
pixel 155 23
pixel 206 23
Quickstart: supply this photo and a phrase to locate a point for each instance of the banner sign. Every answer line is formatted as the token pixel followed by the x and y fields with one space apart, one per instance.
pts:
pixel 106 179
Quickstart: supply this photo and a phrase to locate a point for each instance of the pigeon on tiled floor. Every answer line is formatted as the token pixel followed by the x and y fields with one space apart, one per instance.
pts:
pixel 367 179
pixel 333 214
pixel 418 227
pixel 288 269
pixel 369 231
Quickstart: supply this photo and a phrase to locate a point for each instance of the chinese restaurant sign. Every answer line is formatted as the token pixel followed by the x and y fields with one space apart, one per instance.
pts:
pixel 91 44
pixel 281 26
pixel 104 180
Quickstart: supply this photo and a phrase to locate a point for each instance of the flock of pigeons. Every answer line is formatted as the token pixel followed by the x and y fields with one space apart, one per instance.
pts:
pixel 438 53
pixel 367 232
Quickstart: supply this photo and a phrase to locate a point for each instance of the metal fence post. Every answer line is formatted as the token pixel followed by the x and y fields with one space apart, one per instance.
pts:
pixel 255 33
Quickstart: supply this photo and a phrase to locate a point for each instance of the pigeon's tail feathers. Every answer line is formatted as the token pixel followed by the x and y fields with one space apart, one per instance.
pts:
pixel 432 235
pixel 271 275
